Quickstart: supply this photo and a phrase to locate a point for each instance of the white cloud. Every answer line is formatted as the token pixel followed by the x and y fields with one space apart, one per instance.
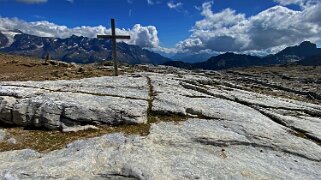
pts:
pixel 38 1
pixel 150 2
pixel 144 36
pixel 288 2
pixel 302 3
pixel 154 2
pixel 173 5
pixel 268 31
pixel 32 1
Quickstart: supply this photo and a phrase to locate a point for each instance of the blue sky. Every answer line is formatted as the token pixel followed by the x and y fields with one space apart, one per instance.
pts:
pixel 173 25
pixel 174 20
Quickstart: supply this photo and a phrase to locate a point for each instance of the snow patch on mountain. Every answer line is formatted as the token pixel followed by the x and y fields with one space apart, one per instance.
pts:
pixel 10 36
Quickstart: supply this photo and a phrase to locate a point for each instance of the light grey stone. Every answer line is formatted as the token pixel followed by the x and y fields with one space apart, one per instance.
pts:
pixel 12 141
pixel 110 100
pixel 3 134
pixel 122 86
pixel 77 128
pixel 236 134
pixel 195 149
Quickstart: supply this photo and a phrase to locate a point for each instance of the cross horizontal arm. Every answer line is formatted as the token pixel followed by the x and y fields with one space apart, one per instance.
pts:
pixel 112 37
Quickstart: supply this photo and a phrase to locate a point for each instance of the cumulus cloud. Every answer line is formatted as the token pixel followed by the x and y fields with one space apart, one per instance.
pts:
pixel 144 36
pixel 32 1
pixel 269 31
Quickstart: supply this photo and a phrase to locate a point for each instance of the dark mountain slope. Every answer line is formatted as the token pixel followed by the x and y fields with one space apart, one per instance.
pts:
pixel 229 60
pixel 296 53
pixel 311 61
pixel 80 50
pixel 3 40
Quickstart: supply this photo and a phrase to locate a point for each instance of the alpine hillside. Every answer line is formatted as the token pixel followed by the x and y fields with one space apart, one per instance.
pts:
pixel 77 49
pixel 296 54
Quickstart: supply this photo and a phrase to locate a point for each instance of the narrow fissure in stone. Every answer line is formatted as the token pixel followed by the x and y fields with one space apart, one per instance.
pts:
pixel 298 132
pixel 79 92
pixel 118 176
pixel 151 94
pixel 206 141
pixel 155 116
pixel 295 131
pixel 304 93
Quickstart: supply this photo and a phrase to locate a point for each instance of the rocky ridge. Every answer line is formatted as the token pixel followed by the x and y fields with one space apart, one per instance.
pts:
pixel 230 132
pixel 77 49
pixel 300 54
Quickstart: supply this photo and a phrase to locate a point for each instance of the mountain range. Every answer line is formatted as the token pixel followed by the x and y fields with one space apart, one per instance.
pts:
pixel 306 53
pixel 81 49
pixel 74 49
pixel 193 57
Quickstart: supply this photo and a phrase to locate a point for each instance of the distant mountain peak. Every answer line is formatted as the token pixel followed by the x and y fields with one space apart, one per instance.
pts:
pixel 230 60
pixel 7 37
pixel 307 44
pixel 74 49
pixel 297 53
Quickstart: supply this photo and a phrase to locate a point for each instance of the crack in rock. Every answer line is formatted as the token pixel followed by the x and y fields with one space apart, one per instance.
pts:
pixel 227 143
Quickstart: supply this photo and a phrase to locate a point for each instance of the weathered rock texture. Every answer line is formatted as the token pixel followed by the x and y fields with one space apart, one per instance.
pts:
pixel 62 104
pixel 231 133
pixel 196 149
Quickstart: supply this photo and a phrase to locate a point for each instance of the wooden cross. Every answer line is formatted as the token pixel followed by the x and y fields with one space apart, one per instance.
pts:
pixel 113 37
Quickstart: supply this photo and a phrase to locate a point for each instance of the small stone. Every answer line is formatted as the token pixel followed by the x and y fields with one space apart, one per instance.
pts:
pixel 2 134
pixel 55 73
pixel 78 128
pixel 81 70
pixel 12 141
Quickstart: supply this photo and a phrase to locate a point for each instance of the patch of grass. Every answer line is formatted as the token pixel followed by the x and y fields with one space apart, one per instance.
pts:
pixel 46 141
pixel 156 118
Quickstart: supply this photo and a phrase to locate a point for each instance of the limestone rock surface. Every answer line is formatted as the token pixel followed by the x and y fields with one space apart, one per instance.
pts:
pixel 195 149
pixel 59 104
pixel 230 132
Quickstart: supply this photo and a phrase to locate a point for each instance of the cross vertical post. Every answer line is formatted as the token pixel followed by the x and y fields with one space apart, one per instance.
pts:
pixel 113 38
pixel 114 44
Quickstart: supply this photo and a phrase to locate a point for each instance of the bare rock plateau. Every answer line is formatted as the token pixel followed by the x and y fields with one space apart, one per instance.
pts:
pixel 230 131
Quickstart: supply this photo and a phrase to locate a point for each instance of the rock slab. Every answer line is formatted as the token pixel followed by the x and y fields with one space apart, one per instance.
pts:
pixel 195 149
pixel 62 104
pixel 231 133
